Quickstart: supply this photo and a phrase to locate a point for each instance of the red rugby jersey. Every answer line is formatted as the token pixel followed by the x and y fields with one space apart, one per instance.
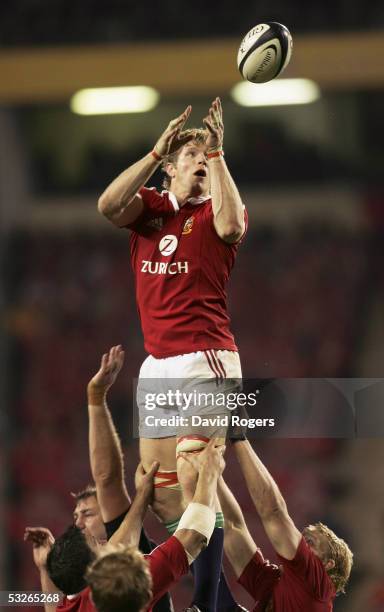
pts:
pixel 301 584
pixel 167 563
pixel 181 269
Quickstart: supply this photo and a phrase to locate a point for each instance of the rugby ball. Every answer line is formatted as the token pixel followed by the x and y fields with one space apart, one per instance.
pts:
pixel 264 52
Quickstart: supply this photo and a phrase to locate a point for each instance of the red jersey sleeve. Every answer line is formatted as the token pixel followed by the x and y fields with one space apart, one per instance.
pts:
pixel 307 566
pixel 167 563
pixel 259 579
pixel 155 205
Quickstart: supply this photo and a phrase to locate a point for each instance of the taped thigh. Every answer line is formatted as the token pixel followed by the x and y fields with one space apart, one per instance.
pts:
pixel 167 479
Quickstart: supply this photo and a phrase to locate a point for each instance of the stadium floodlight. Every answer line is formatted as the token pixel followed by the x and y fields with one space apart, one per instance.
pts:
pixel 113 100
pixel 279 92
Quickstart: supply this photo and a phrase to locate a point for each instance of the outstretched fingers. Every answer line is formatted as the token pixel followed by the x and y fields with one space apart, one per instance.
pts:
pixel 118 358
pixel 104 362
pixel 184 116
pixel 169 140
pixel 214 123
pixel 218 111
pixel 115 358
pixel 178 122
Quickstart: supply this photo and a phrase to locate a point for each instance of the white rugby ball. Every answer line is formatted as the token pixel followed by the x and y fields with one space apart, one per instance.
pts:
pixel 264 52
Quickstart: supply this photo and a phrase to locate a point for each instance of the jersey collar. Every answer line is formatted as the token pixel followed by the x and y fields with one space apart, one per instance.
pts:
pixel 199 200
pixel 193 201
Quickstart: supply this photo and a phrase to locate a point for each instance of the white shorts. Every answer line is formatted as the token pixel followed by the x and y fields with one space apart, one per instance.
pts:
pixel 190 393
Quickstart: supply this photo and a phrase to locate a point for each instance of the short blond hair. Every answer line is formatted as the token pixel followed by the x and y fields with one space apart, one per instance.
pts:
pixel 342 556
pixel 199 137
pixel 120 580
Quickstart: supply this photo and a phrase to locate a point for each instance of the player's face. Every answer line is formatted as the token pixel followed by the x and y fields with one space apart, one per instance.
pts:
pixel 191 169
pixel 87 517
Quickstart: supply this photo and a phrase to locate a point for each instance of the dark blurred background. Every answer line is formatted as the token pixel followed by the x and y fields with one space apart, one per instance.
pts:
pixel 306 295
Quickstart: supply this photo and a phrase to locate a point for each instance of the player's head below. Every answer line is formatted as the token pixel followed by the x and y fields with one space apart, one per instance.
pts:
pixel 87 515
pixel 120 580
pixel 186 170
pixel 333 552
pixel 68 560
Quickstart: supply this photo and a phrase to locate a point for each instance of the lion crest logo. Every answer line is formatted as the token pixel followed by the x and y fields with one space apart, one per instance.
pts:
pixel 188 225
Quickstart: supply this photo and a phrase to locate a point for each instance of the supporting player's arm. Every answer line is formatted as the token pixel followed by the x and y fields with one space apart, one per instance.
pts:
pixel 42 541
pixel 239 545
pixel 106 458
pixel 121 203
pixel 269 502
pixel 228 209
pixel 198 521
pixel 129 531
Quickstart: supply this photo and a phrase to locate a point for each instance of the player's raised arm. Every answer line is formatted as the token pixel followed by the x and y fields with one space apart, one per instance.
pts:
pixel 228 209
pixel 238 542
pixel 269 502
pixel 42 541
pixel 105 452
pixel 239 545
pixel 129 531
pixel 121 203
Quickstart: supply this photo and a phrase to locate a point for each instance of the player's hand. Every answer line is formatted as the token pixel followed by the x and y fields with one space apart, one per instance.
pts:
pixel 211 457
pixel 144 480
pixel 42 542
pixel 110 366
pixel 170 140
pixel 215 126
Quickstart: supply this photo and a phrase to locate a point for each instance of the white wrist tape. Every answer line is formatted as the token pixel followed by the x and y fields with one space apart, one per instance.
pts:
pixel 200 518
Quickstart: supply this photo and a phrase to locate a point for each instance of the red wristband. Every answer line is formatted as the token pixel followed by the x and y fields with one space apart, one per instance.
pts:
pixel 219 153
pixel 155 154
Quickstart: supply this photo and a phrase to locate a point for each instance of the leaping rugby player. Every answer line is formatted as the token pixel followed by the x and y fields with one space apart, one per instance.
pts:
pixel 184 242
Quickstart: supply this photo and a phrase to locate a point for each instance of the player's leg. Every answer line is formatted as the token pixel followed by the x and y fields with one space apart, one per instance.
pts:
pixel 158 442
pixel 210 586
pixel 168 502
pixel 193 443
pixel 208 381
pixel 206 568
pixel 211 589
